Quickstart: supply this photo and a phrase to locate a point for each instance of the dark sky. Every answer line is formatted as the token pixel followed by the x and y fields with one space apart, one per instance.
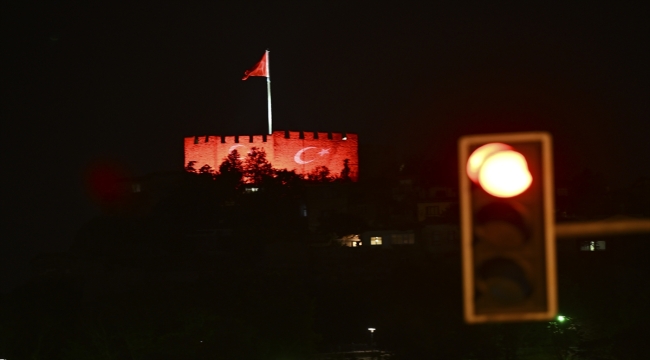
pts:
pixel 127 82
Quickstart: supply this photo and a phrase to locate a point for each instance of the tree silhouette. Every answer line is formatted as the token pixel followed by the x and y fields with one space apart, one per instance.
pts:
pixel 286 177
pixel 190 166
pixel 345 173
pixel 256 167
pixel 319 174
pixel 231 163
pixel 231 170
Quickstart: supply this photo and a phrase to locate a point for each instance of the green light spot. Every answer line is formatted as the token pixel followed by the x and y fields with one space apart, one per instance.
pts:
pixel 561 318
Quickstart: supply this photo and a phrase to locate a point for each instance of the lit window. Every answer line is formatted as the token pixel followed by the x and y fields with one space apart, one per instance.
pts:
pixel 375 240
pixel 593 245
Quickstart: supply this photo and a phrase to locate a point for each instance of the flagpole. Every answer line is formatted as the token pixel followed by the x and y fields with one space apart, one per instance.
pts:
pixel 268 90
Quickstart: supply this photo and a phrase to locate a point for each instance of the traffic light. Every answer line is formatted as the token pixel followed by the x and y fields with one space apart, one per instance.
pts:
pixel 507 227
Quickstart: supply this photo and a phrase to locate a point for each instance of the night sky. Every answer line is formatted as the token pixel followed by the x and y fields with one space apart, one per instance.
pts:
pixel 126 83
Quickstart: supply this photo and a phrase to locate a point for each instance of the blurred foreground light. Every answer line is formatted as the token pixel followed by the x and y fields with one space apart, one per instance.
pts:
pixel 505 174
pixel 478 157
pixel 561 318
pixel 104 181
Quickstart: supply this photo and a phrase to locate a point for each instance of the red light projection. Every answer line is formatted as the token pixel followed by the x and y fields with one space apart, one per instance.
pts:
pixel 304 155
pixel 104 181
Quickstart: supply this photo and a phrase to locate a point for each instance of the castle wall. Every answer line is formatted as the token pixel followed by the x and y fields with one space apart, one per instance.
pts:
pixel 199 150
pixel 306 154
pixel 243 145
pixel 302 152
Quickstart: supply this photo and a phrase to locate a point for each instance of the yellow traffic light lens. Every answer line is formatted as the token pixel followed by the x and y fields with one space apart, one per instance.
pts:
pixel 478 157
pixel 501 224
pixel 504 174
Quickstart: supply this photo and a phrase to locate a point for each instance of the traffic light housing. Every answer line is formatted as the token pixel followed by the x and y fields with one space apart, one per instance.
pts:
pixel 507 227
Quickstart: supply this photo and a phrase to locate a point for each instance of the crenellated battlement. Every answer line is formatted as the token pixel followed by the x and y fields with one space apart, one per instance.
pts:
pixel 233 139
pixel 302 151
pixel 288 134
pixel 315 135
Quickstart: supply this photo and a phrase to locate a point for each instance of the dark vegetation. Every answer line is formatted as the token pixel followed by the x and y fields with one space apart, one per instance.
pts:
pixel 212 270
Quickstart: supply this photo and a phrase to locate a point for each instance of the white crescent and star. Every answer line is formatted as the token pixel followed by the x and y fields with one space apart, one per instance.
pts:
pixel 298 157
pixel 233 148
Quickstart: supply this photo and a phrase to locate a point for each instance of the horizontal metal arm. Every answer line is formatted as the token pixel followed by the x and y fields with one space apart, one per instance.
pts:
pixel 602 228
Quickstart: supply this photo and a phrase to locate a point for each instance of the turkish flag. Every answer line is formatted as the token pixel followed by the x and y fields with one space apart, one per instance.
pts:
pixel 260 69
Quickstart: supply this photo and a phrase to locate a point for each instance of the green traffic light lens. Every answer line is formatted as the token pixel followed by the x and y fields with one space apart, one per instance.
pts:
pixel 505 291
pixel 503 282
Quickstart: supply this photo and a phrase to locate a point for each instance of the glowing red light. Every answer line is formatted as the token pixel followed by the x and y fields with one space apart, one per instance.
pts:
pixel 103 180
pixel 478 157
pixel 500 171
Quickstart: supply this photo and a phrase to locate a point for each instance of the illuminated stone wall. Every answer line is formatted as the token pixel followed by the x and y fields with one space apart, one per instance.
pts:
pixel 285 150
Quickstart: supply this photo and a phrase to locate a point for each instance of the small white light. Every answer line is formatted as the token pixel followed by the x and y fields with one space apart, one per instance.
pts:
pixel 371 329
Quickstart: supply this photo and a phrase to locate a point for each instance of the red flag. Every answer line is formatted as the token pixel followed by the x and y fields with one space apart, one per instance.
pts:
pixel 260 69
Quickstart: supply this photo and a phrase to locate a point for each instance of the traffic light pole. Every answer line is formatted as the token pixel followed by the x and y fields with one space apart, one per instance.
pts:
pixel 601 228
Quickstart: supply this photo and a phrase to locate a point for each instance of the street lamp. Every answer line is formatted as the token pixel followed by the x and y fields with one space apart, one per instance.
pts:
pixel 372 330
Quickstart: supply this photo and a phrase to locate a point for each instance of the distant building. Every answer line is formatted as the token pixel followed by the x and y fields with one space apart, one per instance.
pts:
pixel 300 151
pixel 356 355
pixel 433 209
pixel 441 238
